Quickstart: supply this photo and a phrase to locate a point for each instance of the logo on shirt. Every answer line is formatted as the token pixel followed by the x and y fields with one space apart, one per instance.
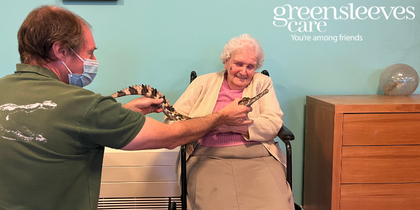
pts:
pixel 11 130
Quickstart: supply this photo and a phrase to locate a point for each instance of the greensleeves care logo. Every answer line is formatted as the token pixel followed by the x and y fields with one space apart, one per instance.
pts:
pixel 315 19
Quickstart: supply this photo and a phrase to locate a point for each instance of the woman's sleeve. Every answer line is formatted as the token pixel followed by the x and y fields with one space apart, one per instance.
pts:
pixel 268 118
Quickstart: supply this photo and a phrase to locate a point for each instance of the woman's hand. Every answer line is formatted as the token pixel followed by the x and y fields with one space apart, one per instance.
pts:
pixel 236 115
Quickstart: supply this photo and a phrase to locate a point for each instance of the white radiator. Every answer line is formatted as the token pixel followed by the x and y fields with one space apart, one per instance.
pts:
pixel 139 179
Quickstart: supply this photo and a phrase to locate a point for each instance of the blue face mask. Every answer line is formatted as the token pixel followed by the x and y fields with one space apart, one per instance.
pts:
pixel 90 69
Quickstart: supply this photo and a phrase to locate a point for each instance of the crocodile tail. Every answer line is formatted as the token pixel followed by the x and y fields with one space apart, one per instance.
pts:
pixel 144 90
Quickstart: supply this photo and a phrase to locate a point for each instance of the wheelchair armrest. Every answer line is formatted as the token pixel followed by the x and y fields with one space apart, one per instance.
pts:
pixel 285 134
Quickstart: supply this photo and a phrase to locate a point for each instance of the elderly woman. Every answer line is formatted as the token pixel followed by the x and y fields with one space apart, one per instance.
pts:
pixel 236 167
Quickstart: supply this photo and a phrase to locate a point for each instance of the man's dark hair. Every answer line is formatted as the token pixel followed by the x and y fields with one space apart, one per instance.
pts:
pixel 43 27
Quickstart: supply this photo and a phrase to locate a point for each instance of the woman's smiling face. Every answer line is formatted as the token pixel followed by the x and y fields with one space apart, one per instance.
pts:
pixel 241 68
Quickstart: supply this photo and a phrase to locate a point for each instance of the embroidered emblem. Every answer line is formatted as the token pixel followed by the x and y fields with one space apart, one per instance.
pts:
pixel 21 132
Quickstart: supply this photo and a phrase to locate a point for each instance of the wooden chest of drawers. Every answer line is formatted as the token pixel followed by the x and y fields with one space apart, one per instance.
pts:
pixel 362 152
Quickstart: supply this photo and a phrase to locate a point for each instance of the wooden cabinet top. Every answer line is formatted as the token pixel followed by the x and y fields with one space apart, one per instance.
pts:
pixel 366 103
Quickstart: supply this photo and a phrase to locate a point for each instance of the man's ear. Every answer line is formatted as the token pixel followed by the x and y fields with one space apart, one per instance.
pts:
pixel 60 51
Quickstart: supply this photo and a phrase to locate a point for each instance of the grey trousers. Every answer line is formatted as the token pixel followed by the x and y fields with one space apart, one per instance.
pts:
pixel 244 177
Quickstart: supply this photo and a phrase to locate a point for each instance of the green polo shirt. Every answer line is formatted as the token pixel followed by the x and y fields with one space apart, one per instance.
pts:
pixel 52 139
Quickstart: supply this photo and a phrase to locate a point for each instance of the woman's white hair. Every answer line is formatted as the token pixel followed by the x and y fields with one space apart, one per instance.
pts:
pixel 238 43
